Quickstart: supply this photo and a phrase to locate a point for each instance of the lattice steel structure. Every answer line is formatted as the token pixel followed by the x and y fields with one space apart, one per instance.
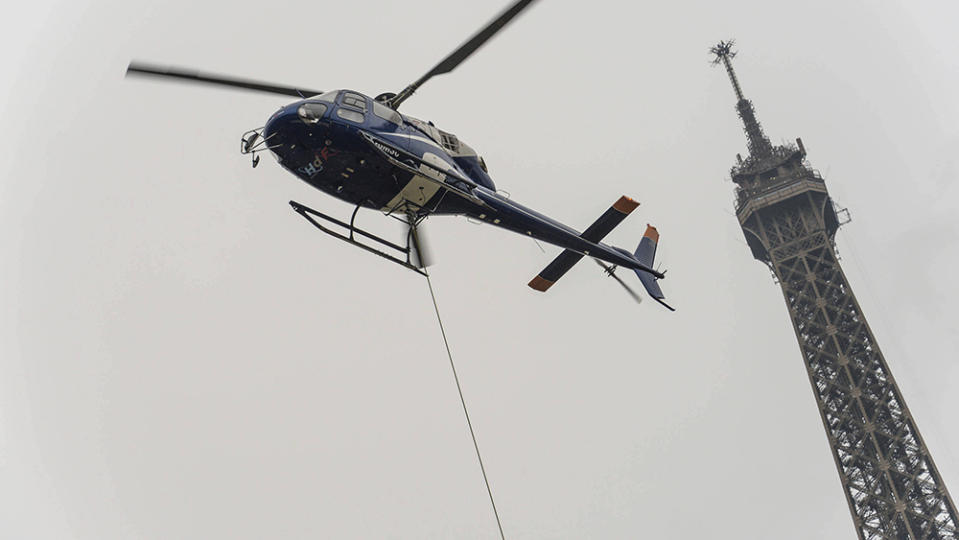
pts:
pixel 891 483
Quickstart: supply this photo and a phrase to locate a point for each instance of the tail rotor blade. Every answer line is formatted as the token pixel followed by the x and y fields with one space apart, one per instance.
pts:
pixel 611 272
pixel 629 290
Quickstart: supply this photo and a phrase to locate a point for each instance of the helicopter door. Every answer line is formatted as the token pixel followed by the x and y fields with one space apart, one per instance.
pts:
pixel 420 188
pixel 353 108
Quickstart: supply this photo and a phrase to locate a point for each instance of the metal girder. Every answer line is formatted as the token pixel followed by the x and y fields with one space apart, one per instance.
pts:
pixel 891 482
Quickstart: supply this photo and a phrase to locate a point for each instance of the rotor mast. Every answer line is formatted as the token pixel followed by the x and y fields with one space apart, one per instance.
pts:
pixel 759 145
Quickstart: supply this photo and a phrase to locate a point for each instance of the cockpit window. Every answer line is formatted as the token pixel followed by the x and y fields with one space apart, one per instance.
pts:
pixel 351 99
pixel 311 113
pixel 387 113
pixel 326 96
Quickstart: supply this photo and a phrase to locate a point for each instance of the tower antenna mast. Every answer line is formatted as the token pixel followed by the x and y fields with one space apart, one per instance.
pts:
pixel 759 146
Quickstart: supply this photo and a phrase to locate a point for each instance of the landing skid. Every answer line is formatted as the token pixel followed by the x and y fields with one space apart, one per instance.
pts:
pixel 310 214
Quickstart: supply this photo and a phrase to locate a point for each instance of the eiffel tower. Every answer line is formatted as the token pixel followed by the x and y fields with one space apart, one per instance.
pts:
pixel 891 483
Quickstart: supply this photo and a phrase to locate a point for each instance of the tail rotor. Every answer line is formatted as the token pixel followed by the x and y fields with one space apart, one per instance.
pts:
pixel 611 272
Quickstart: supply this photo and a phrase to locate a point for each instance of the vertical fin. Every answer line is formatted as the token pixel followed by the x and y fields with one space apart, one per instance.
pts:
pixel 646 254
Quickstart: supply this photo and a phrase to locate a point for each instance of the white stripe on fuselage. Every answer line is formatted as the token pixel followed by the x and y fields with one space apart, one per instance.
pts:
pixel 413 137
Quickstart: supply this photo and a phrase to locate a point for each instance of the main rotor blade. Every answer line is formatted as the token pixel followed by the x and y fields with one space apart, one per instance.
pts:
pixel 465 50
pixel 141 69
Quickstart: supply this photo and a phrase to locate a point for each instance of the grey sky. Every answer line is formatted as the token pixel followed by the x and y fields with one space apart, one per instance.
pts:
pixel 181 356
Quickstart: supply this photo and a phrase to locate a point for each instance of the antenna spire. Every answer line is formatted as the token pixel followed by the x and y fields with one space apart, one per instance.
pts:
pixel 759 145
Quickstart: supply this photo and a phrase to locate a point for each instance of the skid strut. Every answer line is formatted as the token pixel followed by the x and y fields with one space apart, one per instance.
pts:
pixel 311 215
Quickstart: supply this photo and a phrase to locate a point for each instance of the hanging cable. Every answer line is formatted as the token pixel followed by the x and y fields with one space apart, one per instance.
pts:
pixel 465 411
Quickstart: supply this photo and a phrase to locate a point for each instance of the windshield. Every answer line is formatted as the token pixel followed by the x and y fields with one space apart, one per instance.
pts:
pixel 326 96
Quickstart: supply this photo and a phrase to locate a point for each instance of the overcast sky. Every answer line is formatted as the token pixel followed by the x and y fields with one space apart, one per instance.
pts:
pixel 182 356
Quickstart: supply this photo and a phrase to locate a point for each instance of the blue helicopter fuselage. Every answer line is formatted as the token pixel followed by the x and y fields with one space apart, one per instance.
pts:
pixel 363 151
pixel 354 148
pixel 348 145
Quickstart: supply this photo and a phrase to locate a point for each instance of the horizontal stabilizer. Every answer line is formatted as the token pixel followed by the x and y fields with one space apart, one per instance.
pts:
pixel 555 270
pixel 594 233
pixel 610 219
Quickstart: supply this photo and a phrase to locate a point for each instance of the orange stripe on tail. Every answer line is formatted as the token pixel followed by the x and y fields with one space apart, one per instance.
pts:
pixel 652 233
pixel 541 284
pixel 625 204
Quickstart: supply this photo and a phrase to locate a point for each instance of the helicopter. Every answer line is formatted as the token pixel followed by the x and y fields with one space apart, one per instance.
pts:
pixel 362 150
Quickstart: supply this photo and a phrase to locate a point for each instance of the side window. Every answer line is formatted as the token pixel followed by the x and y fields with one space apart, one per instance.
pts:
pixel 352 107
pixel 387 113
pixel 449 141
pixel 350 114
pixel 354 100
